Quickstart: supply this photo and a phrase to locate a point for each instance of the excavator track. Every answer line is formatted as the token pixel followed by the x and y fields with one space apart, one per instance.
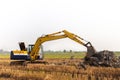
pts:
pixel 14 63
pixel 24 63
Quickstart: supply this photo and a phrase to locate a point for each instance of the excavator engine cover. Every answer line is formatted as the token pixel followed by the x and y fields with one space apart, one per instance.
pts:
pixel 19 55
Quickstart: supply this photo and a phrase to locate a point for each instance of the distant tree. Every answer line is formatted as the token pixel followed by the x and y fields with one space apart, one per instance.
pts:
pixel 1 50
pixel 64 51
pixel 71 51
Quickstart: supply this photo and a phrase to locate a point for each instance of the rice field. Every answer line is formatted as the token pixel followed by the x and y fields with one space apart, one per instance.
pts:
pixel 55 71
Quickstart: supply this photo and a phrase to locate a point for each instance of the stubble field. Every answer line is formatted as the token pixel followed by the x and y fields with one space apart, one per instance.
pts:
pixel 57 69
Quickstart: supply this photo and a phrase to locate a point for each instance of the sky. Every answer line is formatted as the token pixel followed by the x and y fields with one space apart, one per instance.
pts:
pixel 97 21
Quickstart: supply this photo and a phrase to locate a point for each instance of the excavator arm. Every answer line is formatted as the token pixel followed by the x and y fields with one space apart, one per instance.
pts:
pixel 58 35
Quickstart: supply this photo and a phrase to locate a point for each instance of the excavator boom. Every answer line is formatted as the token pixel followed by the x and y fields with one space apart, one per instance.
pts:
pixel 55 36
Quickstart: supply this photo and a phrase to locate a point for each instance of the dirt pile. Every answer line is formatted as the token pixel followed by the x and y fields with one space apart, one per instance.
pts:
pixel 103 58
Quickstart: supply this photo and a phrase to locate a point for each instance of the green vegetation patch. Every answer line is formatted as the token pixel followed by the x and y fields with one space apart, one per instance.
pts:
pixel 5 55
pixel 117 53
pixel 64 55
pixel 58 54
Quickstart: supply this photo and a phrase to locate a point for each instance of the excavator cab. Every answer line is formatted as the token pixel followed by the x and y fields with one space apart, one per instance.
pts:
pixel 30 47
pixel 40 53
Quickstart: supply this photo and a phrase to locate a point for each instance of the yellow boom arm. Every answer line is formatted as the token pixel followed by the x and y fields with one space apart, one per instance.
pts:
pixel 58 35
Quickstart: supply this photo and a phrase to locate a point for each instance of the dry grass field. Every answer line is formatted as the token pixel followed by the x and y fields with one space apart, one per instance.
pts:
pixel 55 72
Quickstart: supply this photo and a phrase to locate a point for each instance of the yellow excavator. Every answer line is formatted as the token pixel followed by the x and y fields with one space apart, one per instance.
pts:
pixel 32 55
pixel 32 52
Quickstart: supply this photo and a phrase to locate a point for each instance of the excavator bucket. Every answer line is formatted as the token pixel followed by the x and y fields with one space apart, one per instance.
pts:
pixel 90 49
pixel 90 52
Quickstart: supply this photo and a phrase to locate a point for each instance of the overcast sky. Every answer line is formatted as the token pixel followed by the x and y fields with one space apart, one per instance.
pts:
pixel 97 21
